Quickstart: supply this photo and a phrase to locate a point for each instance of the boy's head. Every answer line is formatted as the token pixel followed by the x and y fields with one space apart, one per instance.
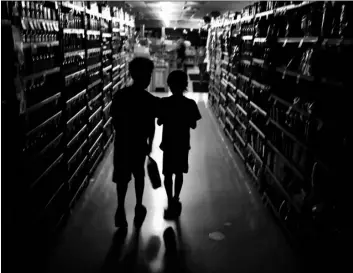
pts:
pixel 177 82
pixel 141 71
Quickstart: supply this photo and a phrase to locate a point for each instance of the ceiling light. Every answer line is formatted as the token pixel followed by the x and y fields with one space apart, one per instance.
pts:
pixel 166 5
pixel 166 9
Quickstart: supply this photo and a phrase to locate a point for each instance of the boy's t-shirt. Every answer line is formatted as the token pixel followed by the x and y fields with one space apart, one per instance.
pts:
pixel 177 114
pixel 134 112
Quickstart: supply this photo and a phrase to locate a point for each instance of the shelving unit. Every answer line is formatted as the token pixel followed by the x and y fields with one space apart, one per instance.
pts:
pixel 265 100
pixel 74 63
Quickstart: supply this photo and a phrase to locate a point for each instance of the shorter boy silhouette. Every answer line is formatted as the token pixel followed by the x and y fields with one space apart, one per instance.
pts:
pixel 177 114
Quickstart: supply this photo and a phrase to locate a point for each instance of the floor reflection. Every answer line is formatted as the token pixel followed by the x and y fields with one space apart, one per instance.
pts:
pixel 128 256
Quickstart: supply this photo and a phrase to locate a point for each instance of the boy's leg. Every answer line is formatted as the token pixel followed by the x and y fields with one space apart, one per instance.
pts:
pixel 168 185
pixel 122 177
pixel 178 185
pixel 120 216
pixel 139 189
pixel 139 175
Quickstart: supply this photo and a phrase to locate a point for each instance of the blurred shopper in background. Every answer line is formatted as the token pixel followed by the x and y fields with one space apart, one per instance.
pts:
pixel 181 54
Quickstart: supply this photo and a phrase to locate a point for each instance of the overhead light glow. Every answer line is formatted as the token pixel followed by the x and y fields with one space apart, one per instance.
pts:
pixel 166 10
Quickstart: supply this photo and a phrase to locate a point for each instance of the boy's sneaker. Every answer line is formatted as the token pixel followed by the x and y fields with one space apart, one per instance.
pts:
pixel 140 215
pixel 174 209
pixel 120 219
pixel 177 206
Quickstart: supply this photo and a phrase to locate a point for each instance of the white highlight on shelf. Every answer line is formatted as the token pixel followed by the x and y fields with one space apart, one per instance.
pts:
pixel 73 31
pixel 107 35
pixel 247 37
pixel 93 32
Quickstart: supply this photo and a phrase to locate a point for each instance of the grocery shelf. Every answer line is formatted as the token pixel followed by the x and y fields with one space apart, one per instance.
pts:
pixel 239 137
pixel 43 124
pixel 41 74
pixel 263 112
pixel 287 161
pixel 52 165
pixel 241 109
pixel 259 70
pixel 65 134
pixel 242 94
pixel 286 132
pixel 257 129
pixel 255 153
pixel 42 103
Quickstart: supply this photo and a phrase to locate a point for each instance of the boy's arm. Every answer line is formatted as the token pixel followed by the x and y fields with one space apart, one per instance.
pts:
pixel 151 137
pixel 153 125
pixel 160 119
pixel 196 116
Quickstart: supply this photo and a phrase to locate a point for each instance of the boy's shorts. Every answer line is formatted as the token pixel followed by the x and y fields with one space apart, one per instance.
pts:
pixel 175 161
pixel 124 168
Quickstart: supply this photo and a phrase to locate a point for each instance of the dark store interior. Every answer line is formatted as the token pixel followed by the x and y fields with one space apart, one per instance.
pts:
pixel 266 186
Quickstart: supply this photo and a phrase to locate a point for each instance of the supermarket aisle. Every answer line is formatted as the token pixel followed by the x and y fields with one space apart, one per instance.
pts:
pixel 215 197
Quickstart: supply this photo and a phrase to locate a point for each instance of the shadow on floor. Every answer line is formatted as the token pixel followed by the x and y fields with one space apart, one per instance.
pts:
pixel 128 256
pixel 175 253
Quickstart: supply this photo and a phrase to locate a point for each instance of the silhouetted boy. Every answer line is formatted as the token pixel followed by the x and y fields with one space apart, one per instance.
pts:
pixel 134 113
pixel 177 115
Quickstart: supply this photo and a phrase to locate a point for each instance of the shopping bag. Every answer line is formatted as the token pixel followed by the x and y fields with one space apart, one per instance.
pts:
pixel 153 173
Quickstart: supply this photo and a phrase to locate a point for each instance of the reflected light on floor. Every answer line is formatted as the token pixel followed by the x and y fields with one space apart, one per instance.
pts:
pixel 159 198
pixel 156 265
pixel 198 97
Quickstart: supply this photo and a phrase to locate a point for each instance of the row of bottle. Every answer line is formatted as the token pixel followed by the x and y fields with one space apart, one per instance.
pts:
pixel 38 139
pixel 73 63
pixel 40 89
pixel 36 10
pixel 34 37
pixel 75 84
pixel 297 123
pixel 329 20
pixel 93 56
pixel 247 29
pixel 105 26
pixel 73 41
pixel 292 151
pixel 94 23
pixel 94 73
pixel 72 20
pixel 37 59
pixel 76 124
pixel 42 113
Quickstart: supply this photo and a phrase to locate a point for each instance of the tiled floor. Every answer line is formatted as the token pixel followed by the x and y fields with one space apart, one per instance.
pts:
pixel 216 197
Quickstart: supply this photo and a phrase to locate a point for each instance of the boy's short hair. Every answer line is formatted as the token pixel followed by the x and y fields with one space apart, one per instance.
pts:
pixel 140 65
pixel 178 80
